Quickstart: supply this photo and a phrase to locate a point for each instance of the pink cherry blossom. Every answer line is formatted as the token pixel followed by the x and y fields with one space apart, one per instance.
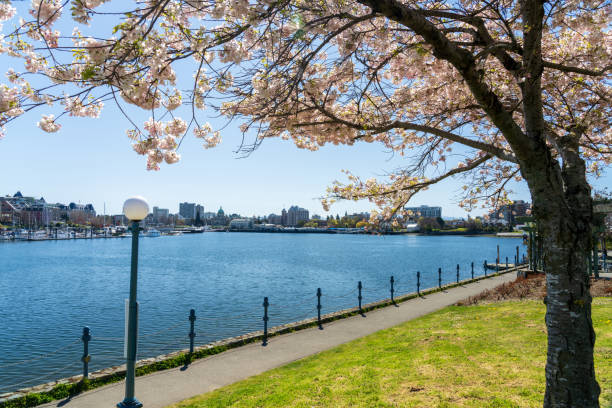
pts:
pixel 47 123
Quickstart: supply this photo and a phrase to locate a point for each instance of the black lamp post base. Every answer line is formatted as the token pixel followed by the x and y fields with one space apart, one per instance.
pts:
pixel 133 403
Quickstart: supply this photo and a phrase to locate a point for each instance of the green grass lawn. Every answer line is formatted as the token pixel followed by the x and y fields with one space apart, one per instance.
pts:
pixel 472 356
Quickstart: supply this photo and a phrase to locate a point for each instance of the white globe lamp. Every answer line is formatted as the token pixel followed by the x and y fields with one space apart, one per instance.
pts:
pixel 136 208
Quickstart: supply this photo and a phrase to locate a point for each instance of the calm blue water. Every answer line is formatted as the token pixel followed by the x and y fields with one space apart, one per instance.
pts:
pixel 49 290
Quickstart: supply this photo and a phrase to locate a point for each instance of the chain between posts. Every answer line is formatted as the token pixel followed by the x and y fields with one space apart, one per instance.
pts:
pixel 43 356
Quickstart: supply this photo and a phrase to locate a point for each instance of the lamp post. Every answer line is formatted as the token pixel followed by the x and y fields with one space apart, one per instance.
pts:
pixel 135 209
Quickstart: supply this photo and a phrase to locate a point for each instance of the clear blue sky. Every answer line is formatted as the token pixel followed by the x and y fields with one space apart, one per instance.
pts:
pixel 91 161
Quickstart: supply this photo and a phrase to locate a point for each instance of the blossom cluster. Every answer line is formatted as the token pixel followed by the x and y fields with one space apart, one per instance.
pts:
pixel 330 72
pixel 160 142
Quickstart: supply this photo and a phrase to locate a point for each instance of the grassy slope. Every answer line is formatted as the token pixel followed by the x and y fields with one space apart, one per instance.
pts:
pixel 478 356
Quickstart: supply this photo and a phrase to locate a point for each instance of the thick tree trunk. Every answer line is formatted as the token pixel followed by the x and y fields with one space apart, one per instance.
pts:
pixel 570 373
pixel 563 211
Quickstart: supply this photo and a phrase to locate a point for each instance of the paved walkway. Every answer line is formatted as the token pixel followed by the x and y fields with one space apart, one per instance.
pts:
pixel 160 389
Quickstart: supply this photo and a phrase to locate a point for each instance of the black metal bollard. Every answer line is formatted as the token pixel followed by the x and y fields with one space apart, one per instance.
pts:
pixel 517 257
pixel 86 337
pixel 418 283
pixel 265 320
pixel 498 258
pixel 472 270
pixel 440 278
pixel 319 308
pixel 506 262
pixel 392 290
pixel 192 319
pixel 457 273
pixel 359 296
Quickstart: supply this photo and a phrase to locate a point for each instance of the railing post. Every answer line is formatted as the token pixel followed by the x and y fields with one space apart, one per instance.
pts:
pixel 457 273
pixel 485 267
pixel 392 290
pixel 472 270
pixel 439 278
pixel 359 286
pixel 517 256
pixel 506 262
pixel 86 337
pixel 265 320
pixel 418 283
pixel 319 308
pixel 192 319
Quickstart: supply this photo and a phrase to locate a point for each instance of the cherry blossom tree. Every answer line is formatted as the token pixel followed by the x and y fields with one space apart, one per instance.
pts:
pixel 519 89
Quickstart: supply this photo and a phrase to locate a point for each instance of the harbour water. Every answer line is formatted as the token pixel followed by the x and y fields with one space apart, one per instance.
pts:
pixel 50 290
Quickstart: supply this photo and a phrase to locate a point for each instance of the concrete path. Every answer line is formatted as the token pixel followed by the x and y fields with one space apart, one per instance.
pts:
pixel 160 389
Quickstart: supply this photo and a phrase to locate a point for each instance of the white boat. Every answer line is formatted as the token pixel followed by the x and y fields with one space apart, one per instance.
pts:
pixel 60 234
pixel 39 236
pixel 152 233
pixel 22 235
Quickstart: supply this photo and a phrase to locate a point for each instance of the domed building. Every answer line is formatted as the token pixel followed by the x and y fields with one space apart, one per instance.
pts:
pixel 220 219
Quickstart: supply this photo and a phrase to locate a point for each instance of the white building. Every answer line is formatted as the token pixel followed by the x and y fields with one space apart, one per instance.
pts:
pixel 425 211
pixel 241 224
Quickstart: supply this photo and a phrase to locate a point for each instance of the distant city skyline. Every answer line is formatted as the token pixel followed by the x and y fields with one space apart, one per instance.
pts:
pixel 188 210
pixel 91 161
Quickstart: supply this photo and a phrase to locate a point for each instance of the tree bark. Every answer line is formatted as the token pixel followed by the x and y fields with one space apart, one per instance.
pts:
pixel 563 211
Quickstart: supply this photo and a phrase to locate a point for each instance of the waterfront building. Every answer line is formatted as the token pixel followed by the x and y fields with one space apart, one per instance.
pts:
pixel 81 213
pixel 295 215
pixel 241 224
pixel 199 209
pixel 506 214
pixel 119 219
pixel 9 213
pixel 266 227
pixel 283 217
pixel 34 212
pixel 455 223
pixel 275 219
pixel 187 211
pixel 319 222
pixel 160 215
pixel 425 211
pixel 220 218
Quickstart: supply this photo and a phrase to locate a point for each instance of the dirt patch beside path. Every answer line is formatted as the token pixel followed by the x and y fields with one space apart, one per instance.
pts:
pixel 532 287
